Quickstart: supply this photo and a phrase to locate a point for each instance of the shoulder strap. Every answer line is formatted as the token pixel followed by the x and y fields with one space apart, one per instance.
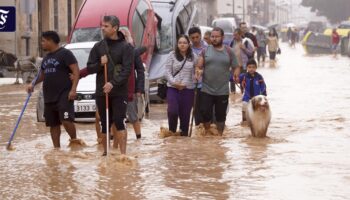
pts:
pixel 183 64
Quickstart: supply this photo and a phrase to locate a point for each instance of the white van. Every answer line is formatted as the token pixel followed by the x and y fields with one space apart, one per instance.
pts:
pixel 228 24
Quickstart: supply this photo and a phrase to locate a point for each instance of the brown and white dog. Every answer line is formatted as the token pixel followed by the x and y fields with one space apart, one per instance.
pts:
pixel 258 115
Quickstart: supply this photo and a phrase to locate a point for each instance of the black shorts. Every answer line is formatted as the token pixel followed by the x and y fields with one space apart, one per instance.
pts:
pixel 61 110
pixel 116 110
pixel 206 107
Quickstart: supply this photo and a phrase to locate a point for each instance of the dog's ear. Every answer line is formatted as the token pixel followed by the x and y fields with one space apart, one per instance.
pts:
pixel 253 101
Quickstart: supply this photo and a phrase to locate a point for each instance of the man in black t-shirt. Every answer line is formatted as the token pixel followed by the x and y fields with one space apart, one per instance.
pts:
pixel 59 90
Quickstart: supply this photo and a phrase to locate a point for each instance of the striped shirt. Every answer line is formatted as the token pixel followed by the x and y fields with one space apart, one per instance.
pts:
pixel 185 76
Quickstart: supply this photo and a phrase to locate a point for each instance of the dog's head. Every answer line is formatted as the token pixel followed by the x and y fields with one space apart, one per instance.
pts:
pixel 260 103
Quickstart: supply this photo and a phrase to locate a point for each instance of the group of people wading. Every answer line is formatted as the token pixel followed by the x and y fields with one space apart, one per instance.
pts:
pixel 198 74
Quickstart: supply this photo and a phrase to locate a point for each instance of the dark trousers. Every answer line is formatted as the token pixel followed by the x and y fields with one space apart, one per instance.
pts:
pixel 220 104
pixel 261 53
pixel 180 103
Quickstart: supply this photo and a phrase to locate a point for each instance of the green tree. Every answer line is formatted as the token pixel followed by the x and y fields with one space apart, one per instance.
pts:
pixel 335 10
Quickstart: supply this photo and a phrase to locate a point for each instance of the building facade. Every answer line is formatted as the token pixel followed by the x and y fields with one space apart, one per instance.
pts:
pixel 32 18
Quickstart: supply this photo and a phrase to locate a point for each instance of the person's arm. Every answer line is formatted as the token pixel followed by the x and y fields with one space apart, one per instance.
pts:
pixel 140 72
pixel 94 64
pixel 263 86
pixel 127 62
pixel 169 69
pixel 30 87
pixel 236 70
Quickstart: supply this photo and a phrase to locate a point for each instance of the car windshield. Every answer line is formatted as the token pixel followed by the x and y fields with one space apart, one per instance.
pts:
pixel 82 56
pixel 225 25
pixel 166 34
pixel 88 34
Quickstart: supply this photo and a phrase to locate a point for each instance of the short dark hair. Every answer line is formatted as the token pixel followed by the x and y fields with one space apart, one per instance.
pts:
pixel 218 29
pixel 51 35
pixel 252 62
pixel 193 30
pixel 238 30
pixel 209 33
pixel 113 20
pixel 241 23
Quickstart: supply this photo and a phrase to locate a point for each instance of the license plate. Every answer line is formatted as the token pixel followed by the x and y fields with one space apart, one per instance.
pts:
pixel 85 108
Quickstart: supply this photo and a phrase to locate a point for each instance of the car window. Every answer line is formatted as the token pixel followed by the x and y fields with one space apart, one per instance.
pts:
pixel 138 27
pixel 165 32
pixel 82 56
pixel 225 25
pixel 86 35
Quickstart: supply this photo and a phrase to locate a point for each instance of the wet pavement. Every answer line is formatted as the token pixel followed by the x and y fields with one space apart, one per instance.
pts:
pixel 306 156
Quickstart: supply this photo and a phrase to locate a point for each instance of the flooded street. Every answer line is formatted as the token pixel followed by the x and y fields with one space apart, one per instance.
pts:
pixel 306 156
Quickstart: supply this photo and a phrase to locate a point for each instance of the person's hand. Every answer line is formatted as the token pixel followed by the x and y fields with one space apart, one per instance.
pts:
pixel 107 87
pixel 179 86
pixel 138 94
pixel 29 88
pixel 72 95
pixel 104 60
pixel 198 74
pixel 242 46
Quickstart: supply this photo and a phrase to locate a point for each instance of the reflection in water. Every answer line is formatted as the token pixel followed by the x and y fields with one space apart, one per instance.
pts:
pixel 306 155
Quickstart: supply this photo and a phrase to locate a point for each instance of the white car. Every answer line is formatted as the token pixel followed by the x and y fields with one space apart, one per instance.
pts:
pixel 84 106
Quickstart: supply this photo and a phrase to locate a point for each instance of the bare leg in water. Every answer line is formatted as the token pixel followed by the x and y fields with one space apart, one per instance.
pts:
pixel 55 135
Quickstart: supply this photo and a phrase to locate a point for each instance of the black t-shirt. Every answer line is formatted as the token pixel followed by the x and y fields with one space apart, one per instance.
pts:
pixel 55 67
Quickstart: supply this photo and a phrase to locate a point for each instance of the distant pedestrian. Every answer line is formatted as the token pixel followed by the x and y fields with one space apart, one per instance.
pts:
pixel 246 34
pixel 253 84
pixel 273 47
pixel 335 42
pixel 243 49
pixel 262 41
pixel 218 60
pixel 180 76
pixel 197 45
pixel 206 37
pixel 59 90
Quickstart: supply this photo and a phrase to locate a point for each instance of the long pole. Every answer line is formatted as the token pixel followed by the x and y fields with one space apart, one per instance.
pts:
pixel 107 113
pixel 22 112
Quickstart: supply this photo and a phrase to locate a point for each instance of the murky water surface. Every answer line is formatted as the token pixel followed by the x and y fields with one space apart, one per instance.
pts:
pixel 306 156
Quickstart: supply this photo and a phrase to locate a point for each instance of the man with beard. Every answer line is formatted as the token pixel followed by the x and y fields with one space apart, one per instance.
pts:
pixel 59 90
pixel 218 60
pixel 118 55
pixel 246 34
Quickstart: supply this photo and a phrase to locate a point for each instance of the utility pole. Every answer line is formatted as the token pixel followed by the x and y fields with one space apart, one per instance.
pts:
pixel 233 8
pixel 243 2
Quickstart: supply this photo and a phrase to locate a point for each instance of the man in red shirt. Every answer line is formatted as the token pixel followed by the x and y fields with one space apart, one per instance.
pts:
pixel 335 42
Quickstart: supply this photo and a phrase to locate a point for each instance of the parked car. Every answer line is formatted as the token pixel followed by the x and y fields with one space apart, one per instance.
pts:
pixel 137 16
pixel 175 18
pixel 84 105
pixel 228 24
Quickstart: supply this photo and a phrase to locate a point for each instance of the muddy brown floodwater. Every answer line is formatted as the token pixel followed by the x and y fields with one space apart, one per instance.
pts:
pixel 306 156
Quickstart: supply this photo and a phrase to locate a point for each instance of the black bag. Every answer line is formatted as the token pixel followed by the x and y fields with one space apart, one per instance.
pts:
pixel 162 89
pixel 279 51
pixel 162 85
